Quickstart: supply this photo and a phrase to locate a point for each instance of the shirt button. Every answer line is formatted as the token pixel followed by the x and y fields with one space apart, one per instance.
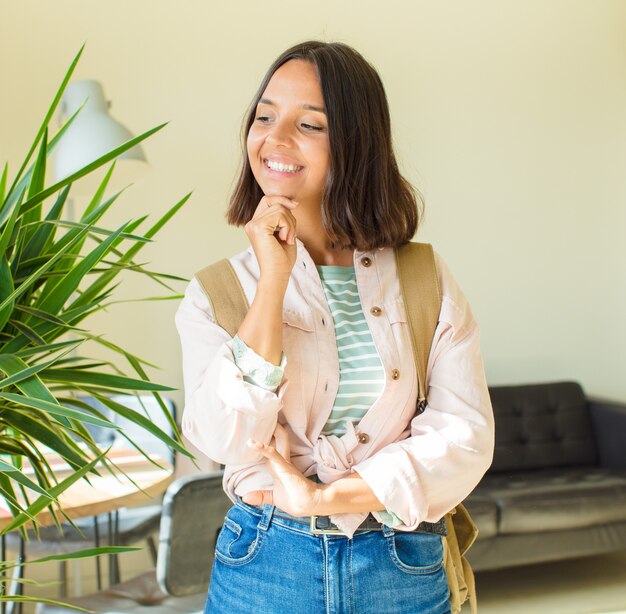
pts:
pixel 363 437
pixel 376 311
pixel 395 374
pixel 365 261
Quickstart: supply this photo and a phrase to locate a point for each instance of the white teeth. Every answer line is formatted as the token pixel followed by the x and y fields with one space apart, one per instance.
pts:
pixel 283 168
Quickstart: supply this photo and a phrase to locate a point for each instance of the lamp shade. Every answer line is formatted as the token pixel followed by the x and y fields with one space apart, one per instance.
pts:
pixel 93 132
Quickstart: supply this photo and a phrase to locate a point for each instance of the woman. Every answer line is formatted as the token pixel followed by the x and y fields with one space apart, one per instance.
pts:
pixel 311 407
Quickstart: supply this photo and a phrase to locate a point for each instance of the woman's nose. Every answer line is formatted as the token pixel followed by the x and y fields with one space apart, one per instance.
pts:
pixel 280 134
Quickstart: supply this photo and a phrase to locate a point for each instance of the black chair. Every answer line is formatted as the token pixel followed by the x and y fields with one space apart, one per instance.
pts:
pixel 193 511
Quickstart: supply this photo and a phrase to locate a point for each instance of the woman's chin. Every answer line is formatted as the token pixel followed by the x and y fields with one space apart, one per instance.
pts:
pixel 276 191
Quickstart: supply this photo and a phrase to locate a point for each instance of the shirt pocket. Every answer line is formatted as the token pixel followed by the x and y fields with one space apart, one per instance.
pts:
pixel 402 355
pixel 396 316
pixel 395 311
pixel 300 348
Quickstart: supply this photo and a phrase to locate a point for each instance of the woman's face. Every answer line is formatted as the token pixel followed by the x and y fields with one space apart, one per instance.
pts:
pixel 287 144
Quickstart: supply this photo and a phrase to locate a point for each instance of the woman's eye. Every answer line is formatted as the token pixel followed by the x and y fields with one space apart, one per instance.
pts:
pixel 311 127
pixel 262 118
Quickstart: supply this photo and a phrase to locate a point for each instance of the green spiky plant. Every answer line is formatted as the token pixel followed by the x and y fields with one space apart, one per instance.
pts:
pixel 54 273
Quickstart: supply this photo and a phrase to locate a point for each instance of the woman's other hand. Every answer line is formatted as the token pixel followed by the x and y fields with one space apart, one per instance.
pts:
pixel 292 492
pixel 297 495
pixel 272 234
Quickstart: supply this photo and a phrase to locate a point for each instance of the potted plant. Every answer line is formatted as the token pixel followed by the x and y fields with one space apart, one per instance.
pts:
pixel 55 273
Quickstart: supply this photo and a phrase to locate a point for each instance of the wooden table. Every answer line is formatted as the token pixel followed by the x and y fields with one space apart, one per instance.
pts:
pixel 105 493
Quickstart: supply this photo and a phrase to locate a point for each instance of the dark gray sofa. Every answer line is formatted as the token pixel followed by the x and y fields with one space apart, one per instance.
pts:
pixel 557 486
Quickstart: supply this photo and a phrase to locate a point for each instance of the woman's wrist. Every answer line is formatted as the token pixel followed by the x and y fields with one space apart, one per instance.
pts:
pixel 322 501
pixel 272 285
pixel 346 495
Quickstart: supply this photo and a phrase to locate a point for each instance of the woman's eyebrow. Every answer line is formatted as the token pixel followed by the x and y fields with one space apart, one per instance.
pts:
pixel 308 107
pixel 312 107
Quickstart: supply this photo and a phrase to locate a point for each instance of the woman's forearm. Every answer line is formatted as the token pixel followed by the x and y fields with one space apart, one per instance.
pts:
pixel 351 494
pixel 262 328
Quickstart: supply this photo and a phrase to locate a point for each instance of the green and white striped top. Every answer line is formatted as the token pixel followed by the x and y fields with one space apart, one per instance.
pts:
pixel 361 374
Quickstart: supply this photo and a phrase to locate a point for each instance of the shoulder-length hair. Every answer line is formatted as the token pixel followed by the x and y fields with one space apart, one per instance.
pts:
pixel 366 202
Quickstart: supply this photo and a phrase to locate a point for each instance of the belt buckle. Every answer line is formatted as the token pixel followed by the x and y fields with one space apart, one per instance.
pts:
pixel 317 531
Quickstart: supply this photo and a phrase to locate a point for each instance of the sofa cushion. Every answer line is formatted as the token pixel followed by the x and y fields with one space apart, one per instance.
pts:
pixel 528 548
pixel 552 500
pixel 541 426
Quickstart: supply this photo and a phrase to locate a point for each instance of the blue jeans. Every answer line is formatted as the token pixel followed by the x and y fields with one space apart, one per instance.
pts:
pixel 266 564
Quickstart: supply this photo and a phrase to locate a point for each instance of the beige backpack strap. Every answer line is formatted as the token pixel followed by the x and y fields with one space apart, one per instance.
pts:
pixel 465 527
pixel 466 533
pixel 468 573
pixel 223 289
pixel 422 302
pixel 453 562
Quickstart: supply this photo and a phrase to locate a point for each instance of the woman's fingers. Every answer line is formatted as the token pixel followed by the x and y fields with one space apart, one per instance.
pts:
pixel 291 491
pixel 273 217
pixel 269 201
pixel 272 234
pixel 276 460
pixel 268 451
pixel 273 204
pixel 259 497
pixel 282 442
pixel 283 228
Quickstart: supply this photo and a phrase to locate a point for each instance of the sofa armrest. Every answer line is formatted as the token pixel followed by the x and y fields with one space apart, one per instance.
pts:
pixel 608 419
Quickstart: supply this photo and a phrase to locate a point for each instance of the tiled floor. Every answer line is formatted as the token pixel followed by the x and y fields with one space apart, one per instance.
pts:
pixel 45 575
pixel 592 585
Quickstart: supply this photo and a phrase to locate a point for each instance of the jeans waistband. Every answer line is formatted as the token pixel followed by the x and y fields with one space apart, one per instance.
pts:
pixel 370 523
pixel 324 523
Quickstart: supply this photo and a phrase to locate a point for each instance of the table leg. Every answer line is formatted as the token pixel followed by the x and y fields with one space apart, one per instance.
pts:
pixel 20 585
pixel 16 587
pixel 63 577
pixel 3 553
pixel 116 534
pixel 110 542
pixel 114 527
pixel 96 536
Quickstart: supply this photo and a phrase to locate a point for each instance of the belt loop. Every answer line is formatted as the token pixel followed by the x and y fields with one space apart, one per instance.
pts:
pixel 387 531
pixel 266 517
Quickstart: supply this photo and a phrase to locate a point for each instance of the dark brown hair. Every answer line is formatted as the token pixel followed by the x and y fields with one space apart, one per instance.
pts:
pixel 366 202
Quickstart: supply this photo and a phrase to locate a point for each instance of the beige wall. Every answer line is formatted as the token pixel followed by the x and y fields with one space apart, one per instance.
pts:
pixel 510 117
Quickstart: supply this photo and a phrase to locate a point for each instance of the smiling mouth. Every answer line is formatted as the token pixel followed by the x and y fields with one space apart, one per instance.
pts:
pixel 282 168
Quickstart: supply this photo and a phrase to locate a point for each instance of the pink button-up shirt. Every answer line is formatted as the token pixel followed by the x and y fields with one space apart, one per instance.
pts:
pixel 419 466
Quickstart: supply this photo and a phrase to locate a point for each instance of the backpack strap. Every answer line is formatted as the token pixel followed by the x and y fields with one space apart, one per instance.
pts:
pixel 226 296
pixel 422 302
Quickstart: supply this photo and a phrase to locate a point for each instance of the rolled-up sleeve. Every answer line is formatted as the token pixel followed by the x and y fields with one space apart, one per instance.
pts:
pixel 255 369
pixel 222 410
pixel 448 447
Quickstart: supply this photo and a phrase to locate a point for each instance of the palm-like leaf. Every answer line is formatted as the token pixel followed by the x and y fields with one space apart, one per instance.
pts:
pixel 54 273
